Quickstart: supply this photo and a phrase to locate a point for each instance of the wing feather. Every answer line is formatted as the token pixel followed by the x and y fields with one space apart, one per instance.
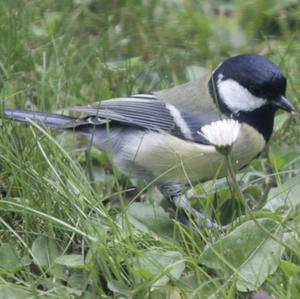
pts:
pixel 149 112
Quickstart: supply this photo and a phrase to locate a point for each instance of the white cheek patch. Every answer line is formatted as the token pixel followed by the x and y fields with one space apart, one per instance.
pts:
pixel 236 97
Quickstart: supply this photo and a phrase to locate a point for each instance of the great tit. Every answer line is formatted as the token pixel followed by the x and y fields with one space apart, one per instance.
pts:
pixel 155 136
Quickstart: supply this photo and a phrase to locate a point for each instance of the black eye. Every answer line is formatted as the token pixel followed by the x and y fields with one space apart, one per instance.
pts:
pixel 255 90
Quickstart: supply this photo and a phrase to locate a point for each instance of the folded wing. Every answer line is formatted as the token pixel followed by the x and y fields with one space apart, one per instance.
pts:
pixel 149 112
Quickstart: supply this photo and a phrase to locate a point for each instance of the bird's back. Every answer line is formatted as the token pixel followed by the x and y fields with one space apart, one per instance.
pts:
pixel 192 96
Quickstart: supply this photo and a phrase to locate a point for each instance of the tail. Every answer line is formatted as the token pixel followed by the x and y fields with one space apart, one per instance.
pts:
pixel 50 120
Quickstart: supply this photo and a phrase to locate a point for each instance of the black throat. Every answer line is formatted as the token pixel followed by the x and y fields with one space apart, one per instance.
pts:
pixel 262 119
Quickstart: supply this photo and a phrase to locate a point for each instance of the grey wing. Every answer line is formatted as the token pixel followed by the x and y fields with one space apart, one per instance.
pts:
pixel 149 112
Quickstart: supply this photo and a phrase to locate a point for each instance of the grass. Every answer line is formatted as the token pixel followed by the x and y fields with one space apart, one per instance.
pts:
pixel 71 226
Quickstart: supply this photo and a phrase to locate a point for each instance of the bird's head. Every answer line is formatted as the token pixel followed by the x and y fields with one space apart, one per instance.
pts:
pixel 250 88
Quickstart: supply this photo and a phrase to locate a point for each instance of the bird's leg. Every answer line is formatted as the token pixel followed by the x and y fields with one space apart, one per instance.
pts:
pixel 174 194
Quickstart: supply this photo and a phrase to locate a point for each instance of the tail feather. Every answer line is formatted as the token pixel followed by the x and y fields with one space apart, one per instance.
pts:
pixel 50 120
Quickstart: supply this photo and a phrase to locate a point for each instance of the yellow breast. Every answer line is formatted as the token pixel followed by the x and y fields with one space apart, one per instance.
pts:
pixel 172 159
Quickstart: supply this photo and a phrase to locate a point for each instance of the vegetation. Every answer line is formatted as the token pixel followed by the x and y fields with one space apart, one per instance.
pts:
pixel 71 226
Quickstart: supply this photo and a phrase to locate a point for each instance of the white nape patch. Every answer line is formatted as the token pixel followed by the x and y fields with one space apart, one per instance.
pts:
pixel 236 97
pixel 180 122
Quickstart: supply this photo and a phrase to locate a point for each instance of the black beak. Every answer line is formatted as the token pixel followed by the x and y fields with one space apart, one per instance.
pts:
pixel 283 103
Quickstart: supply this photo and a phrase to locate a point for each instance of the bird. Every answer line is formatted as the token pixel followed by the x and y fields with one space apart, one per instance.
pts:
pixel 157 136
